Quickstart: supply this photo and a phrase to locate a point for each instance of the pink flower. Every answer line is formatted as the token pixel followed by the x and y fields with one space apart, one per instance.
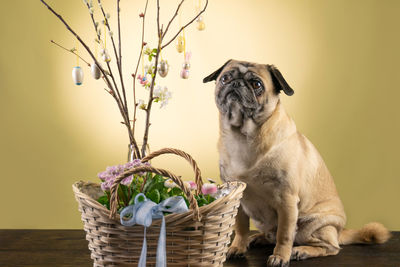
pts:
pixel 192 185
pixel 106 185
pixel 142 79
pixel 108 176
pixel 209 189
pixel 127 181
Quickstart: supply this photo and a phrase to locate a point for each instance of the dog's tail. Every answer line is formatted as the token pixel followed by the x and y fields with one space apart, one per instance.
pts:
pixel 371 233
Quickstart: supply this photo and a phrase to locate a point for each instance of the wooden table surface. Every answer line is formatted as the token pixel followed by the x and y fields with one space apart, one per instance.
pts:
pixel 63 248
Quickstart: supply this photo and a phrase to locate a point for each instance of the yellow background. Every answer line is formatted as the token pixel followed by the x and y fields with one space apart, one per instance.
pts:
pixel 341 57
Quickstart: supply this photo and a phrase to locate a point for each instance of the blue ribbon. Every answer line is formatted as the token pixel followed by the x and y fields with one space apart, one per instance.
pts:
pixel 143 213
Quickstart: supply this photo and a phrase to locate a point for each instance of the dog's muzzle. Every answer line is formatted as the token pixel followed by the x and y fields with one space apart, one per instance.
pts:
pixel 237 92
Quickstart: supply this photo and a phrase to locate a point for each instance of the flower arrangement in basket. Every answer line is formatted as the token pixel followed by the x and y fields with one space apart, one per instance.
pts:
pixel 141 215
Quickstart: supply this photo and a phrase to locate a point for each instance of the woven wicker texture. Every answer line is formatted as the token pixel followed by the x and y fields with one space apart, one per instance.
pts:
pixel 199 237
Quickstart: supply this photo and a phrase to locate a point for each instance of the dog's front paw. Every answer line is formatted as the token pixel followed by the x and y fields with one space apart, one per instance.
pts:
pixel 277 261
pixel 235 252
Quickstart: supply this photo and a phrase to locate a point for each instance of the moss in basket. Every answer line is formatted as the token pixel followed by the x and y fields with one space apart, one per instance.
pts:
pixel 154 186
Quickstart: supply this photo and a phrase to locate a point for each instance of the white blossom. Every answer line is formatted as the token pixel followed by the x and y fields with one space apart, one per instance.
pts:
pixel 162 95
pixel 170 184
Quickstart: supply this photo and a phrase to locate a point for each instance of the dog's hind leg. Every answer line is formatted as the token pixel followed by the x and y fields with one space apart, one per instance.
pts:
pixel 257 239
pixel 323 242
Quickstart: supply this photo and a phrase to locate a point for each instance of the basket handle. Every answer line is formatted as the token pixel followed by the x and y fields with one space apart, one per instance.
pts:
pixel 196 169
pixel 165 173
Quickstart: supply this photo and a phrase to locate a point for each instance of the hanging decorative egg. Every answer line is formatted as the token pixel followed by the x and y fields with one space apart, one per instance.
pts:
pixel 77 75
pixel 94 69
pixel 180 45
pixel 184 73
pixel 186 65
pixel 105 56
pixel 163 68
pixel 200 23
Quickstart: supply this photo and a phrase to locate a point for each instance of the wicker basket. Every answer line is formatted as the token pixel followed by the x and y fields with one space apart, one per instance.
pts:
pixel 199 237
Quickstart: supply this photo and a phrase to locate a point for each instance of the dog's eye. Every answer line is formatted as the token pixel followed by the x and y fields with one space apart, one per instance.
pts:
pixel 257 87
pixel 225 78
pixel 256 84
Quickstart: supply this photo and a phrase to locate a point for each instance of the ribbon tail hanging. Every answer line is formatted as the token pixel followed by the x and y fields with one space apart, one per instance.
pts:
pixel 143 255
pixel 161 247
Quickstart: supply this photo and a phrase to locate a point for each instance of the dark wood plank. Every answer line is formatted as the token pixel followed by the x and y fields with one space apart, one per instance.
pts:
pixel 64 248
pixel 44 248
pixel 387 254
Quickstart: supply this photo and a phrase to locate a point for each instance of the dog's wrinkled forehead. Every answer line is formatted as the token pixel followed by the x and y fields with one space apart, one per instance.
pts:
pixel 243 67
pixel 269 74
pixel 240 69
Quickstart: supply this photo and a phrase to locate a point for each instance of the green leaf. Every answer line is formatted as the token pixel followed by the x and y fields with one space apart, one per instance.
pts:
pixel 149 180
pixel 125 191
pixel 154 51
pixel 122 195
pixel 176 191
pixel 210 199
pixel 150 57
pixel 159 178
pixel 163 196
pixel 154 196
pixel 104 200
pixel 201 201
pixel 141 198
pixel 156 183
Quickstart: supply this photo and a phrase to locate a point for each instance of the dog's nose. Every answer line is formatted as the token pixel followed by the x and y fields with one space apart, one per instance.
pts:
pixel 236 84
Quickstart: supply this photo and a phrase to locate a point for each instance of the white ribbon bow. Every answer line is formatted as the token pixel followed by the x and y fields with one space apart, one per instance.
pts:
pixel 143 213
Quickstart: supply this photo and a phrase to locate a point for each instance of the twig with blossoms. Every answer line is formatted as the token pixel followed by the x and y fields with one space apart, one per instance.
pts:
pixel 160 46
pixel 156 94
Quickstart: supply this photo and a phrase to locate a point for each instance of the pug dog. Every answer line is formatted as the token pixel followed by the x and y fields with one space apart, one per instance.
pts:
pixel 290 194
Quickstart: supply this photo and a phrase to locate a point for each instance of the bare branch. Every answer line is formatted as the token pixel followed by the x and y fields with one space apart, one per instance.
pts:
pixel 107 63
pixel 71 51
pixel 135 74
pixel 172 19
pixel 151 99
pixel 119 33
pixel 187 24
pixel 93 57
pixel 159 34
pixel 149 104
pixel 119 99
pixel 115 52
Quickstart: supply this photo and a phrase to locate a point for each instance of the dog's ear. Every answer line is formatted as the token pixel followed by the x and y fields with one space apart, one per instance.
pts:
pixel 213 76
pixel 278 81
